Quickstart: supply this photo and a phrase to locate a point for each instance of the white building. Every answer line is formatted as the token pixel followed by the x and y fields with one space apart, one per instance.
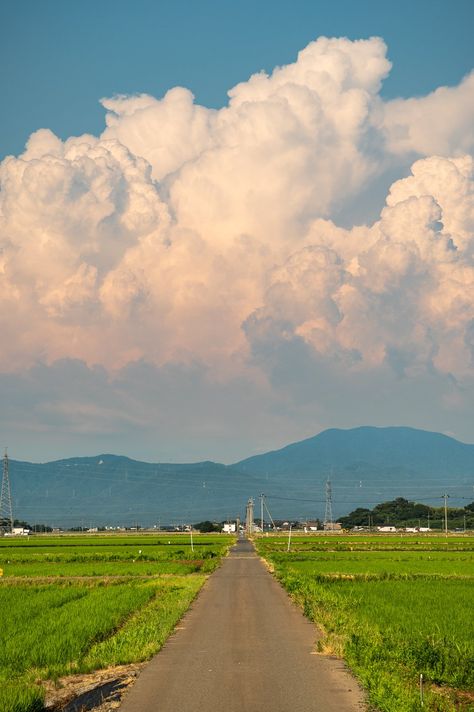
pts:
pixel 20 531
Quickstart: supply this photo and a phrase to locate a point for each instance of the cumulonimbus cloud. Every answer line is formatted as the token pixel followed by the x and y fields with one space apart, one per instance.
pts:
pixel 185 234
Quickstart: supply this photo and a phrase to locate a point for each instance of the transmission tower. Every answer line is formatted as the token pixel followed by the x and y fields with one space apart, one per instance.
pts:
pixel 328 511
pixel 6 515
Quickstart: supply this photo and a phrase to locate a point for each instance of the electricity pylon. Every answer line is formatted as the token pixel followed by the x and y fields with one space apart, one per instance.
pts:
pixel 6 514
pixel 328 511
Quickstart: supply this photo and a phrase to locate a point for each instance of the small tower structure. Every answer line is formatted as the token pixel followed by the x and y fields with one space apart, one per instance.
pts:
pixel 249 517
pixel 6 514
pixel 328 522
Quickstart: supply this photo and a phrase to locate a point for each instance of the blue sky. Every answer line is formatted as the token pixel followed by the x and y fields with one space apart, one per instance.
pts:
pixel 202 282
pixel 59 58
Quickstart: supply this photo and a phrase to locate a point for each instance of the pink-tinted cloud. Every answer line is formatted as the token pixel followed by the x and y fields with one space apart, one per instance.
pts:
pixel 186 235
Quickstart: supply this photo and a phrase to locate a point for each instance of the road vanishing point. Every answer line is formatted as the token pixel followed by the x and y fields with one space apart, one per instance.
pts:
pixel 243 646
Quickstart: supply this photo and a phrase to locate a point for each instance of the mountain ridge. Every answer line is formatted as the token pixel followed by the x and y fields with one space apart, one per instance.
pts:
pixel 403 435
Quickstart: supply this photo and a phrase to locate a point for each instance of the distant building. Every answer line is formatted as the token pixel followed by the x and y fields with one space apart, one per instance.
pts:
pixel 415 530
pixel 332 527
pixel 311 527
pixel 386 529
pixel 20 531
pixel 229 528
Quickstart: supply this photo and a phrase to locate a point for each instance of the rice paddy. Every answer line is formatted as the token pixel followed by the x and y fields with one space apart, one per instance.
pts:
pixel 398 609
pixel 77 604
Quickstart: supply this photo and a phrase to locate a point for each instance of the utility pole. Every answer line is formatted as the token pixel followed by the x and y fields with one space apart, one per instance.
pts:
pixel 328 511
pixel 6 515
pixel 261 510
pixel 270 516
pixel 445 496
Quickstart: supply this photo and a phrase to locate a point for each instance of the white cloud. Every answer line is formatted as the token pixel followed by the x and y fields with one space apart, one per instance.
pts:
pixel 185 235
pixel 167 132
pixel 442 122
pixel 399 292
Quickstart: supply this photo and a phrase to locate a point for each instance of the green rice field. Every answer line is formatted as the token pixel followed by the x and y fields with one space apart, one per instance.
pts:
pixel 77 604
pixel 396 608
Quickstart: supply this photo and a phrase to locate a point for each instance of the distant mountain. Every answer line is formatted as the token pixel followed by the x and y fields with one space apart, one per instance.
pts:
pixel 115 490
pixel 398 447
pixel 366 466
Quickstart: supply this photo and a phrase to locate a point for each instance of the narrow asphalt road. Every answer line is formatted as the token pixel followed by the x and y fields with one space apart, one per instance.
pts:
pixel 243 647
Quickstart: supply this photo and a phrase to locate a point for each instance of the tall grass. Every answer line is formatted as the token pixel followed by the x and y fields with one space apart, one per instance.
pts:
pixel 18 696
pixel 146 631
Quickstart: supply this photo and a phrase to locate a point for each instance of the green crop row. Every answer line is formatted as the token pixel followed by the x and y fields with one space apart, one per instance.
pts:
pixel 108 568
pixel 47 630
pixel 395 542
pixel 380 563
pixel 112 540
pixel 43 630
pixel 69 554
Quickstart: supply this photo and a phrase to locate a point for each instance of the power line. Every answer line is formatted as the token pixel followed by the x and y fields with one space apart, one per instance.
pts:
pixel 355 501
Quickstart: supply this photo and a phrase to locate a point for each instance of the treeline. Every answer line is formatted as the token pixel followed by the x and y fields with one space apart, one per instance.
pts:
pixel 401 512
